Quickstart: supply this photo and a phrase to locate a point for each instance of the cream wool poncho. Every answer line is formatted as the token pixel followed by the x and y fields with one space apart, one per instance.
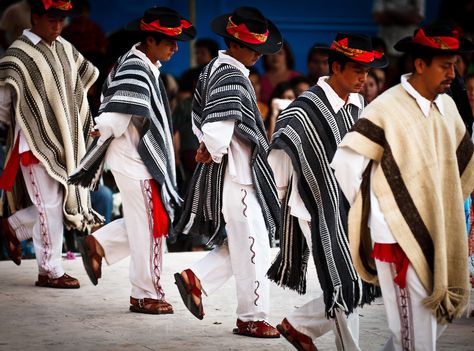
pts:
pixel 426 171
pixel 53 113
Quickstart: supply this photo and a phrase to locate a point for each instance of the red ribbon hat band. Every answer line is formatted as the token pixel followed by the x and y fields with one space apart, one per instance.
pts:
pixel 59 5
pixel 155 26
pixel 342 46
pixel 440 42
pixel 242 33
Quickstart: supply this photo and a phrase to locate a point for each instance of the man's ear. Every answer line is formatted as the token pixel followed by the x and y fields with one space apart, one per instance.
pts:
pixel 419 65
pixel 336 67
pixel 150 40
pixel 34 18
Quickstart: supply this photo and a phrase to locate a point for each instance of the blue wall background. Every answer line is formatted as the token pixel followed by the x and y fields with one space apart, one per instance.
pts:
pixel 302 23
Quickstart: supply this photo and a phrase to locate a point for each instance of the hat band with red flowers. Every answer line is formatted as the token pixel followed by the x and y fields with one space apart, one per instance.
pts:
pixel 342 46
pixel 242 33
pixel 155 26
pixel 58 5
pixel 436 42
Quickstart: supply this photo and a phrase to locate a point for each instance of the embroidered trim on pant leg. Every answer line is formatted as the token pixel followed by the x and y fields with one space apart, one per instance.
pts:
pixel 43 226
pixel 406 315
pixel 256 293
pixel 156 258
pixel 244 212
pixel 252 259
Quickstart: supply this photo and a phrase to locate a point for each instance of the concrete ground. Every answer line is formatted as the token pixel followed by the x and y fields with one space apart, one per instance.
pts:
pixel 97 317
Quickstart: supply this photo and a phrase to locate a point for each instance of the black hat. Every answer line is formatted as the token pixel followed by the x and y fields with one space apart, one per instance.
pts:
pixel 247 26
pixel 61 8
pixel 357 48
pixel 164 22
pixel 435 40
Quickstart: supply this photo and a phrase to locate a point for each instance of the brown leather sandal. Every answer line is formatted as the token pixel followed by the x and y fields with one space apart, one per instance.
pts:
pixel 11 242
pixel 150 306
pixel 187 291
pixel 91 259
pixel 256 329
pixel 300 341
pixel 63 282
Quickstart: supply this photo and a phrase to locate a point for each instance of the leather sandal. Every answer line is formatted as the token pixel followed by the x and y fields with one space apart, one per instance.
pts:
pixel 256 329
pixel 91 259
pixel 187 291
pixel 300 341
pixel 11 242
pixel 150 306
pixel 63 282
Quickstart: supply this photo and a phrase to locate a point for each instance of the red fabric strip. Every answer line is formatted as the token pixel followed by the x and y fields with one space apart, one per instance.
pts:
pixel 155 26
pixel 443 43
pixel 242 33
pixel 7 179
pixel 160 217
pixel 393 253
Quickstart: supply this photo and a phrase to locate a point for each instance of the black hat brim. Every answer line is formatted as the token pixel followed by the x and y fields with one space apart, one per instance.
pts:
pixel 407 45
pixel 376 63
pixel 186 35
pixel 272 45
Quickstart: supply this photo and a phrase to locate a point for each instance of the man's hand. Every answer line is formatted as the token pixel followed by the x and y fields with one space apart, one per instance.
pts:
pixel 94 133
pixel 202 155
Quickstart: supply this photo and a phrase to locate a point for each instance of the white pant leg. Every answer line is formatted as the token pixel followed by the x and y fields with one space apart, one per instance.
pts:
pixel 47 231
pixel 413 326
pixel 249 249
pixel 246 254
pixel 23 221
pixel 214 269
pixel 310 319
pixel 113 238
pixel 146 252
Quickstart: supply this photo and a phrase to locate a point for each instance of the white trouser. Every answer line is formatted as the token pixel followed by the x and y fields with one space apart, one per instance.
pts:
pixel 132 235
pixel 246 255
pixel 310 319
pixel 413 326
pixel 43 221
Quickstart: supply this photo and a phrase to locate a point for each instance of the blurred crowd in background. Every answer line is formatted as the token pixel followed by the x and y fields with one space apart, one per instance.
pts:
pixel 275 86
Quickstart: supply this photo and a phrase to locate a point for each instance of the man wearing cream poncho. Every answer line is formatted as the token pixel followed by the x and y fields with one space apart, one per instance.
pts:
pixel 407 167
pixel 43 99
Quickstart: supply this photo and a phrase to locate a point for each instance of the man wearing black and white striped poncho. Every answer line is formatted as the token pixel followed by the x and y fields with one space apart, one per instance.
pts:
pixel 232 199
pixel 43 97
pixel 136 143
pixel 314 210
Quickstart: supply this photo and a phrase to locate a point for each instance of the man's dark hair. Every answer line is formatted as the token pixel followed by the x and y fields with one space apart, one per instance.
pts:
pixel 342 60
pixel 208 44
pixel 227 42
pixel 157 36
pixel 428 58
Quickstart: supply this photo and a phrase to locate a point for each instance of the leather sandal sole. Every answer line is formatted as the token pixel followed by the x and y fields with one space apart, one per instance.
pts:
pixel 86 260
pixel 242 333
pixel 138 309
pixel 187 297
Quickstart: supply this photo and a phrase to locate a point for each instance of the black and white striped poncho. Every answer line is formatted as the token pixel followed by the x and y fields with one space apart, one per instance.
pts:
pixel 50 85
pixel 227 95
pixel 131 88
pixel 309 132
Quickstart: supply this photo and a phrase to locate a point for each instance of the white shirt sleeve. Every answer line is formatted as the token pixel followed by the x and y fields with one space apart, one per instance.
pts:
pixel 111 124
pixel 217 137
pixel 196 131
pixel 5 104
pixel 282 168
pixel 348 168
